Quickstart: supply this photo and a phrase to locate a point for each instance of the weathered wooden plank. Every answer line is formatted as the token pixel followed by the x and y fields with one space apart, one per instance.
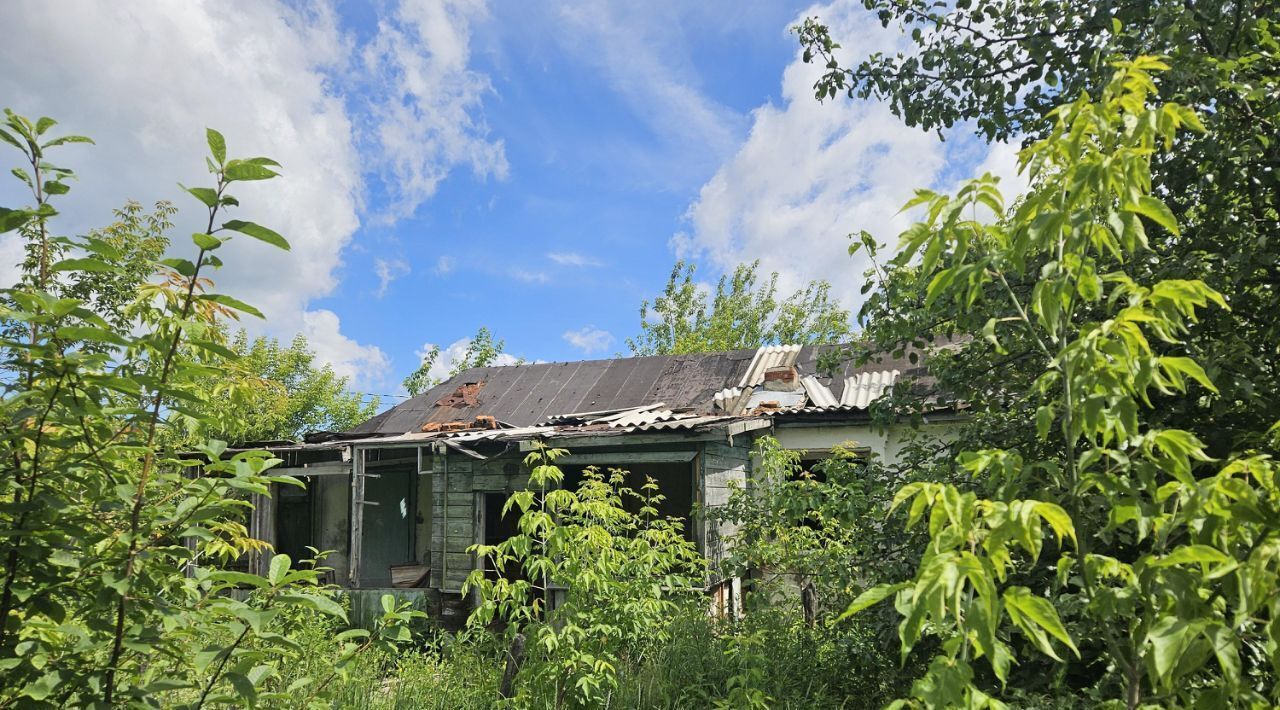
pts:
pixel 323 468
pixel 489 481
pixel 459 464
pixel 461 529
pixel 718 461
pixel 461 564
pixel 457 499
pixel 461 483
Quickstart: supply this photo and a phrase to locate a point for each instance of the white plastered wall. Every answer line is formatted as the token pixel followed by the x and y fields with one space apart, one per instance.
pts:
pixel 886 442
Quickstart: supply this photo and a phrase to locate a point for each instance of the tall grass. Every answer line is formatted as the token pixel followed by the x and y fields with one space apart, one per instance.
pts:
pixel 769 659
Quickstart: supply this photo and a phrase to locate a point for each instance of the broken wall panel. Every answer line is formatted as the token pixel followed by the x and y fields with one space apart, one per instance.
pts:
pixel 725 467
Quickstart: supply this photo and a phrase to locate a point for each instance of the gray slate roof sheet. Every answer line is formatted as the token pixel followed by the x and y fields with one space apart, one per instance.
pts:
pixel 525 395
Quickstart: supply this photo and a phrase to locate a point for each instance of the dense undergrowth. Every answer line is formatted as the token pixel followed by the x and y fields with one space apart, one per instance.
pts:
pixel 767 659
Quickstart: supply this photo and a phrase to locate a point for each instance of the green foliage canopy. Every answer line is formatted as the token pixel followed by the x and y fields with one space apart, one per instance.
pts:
pixel 1118 544
pixel 1003 65
pixel 481 351
pixel 272 392
pixel 743 313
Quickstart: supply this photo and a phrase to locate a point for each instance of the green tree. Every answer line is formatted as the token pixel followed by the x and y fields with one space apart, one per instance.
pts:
pixel 1117 557
pixel 743 313
pixel 112 588
pixel 481 351
pixel 1004 64
pixel 271 392
pixel 135 240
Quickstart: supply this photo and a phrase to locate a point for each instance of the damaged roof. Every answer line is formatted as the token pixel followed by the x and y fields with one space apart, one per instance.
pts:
pixel 708 384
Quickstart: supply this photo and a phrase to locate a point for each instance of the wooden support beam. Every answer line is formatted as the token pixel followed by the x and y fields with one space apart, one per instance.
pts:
pixel 323 468
pixel 357 518
pixel 628 457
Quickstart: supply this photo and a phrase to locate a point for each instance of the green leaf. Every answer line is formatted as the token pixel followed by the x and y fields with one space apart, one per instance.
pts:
pixel 12 219
pixel 317 602
pixel 1044 420
pixel 44 124
pixel 98 335
pixel 242 171
pixel 217 145
pixel 257 231
pixel 989 334
pixel 871 597
pixel 8 138
pixel 1169 639
pixel 230 302
pixel 93 265
pixel 1058 519
pixel 207 242
pixel 1178 367
pixel 279 568
pixel 1156 211
pixel 1224 644
pixel 1024 607
pixel 53 187
pixel 238 579
pixel 182 266
pixel 244 687
pixel 1191 554
pixel 207 195
pixel 216 349
pixel 67 139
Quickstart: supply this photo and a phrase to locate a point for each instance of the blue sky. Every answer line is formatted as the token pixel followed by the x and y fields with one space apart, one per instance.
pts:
pixel 576 234
pixel 534 168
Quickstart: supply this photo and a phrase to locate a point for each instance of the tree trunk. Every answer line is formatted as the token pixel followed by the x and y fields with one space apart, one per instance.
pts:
pixel 515 657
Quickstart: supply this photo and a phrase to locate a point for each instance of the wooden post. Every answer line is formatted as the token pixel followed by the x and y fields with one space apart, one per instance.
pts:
pixel 809 600
pixel 515 657
pixel 357 519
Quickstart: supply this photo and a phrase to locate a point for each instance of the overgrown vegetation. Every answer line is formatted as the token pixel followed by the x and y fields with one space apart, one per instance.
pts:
pixel 114 544
pixel 271 392
pixel 481 351
pixel 742 313
pixel 1104 530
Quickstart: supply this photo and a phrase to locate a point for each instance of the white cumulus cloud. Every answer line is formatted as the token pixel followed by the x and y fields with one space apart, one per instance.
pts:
pixel 589 339
pixel 364 365
pixel 144 78
pixel 426 101
pixel 811 173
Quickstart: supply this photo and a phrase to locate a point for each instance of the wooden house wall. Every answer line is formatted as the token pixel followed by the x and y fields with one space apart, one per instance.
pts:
pixel 450 537
pixel 451 483
pixel 725 468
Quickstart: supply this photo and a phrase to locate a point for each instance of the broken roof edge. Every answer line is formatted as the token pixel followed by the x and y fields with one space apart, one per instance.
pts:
pixel 542 393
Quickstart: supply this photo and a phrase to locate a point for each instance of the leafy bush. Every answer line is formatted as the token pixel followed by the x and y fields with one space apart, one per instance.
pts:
pixel 1162 562
pixel 111 588
pixel 621 575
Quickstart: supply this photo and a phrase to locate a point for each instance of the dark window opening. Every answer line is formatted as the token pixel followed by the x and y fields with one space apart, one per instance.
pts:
pixel 675 484
pixel 294 510
pixel 499 528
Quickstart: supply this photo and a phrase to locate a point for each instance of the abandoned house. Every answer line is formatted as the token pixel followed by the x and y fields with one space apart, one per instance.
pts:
pixel 400 498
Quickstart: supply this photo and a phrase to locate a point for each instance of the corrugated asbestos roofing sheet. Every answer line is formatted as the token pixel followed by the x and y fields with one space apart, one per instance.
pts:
pixel 685 387
pixel 522 395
